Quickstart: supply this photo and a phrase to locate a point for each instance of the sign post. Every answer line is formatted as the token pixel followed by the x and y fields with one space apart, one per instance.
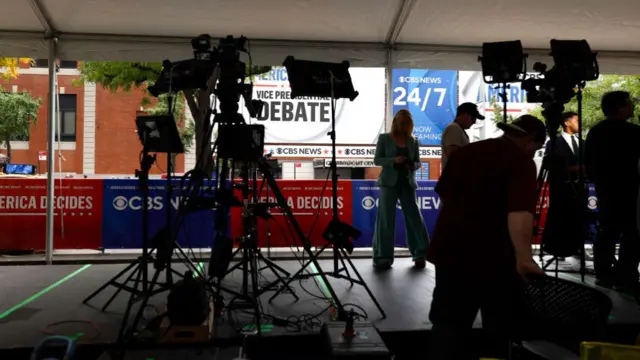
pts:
pixel 42 156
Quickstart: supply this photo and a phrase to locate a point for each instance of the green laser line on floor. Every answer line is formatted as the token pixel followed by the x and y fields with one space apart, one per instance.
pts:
pixel 42 292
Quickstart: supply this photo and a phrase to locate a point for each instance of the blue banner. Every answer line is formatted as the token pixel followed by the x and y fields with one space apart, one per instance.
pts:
pixel 365 209
pixel 122 216
pixel 432 98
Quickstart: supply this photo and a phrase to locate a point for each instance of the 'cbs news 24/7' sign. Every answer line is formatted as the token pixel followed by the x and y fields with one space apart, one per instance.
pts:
pixel 322 151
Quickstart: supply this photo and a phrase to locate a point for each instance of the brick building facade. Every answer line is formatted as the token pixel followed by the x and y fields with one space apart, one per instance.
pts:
pixel 97 126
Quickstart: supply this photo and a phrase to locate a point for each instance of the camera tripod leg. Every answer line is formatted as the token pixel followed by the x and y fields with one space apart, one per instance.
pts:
pixel 346 270
pixel 143 305
pixel 120 288
pixel 298 275
pixel 234 268
pixel 112 281
pixel 253 262
pixel 244 265
pixel 360 281
pixel 127 312
pixel 275 269
pixel 186 260
pixel 270 263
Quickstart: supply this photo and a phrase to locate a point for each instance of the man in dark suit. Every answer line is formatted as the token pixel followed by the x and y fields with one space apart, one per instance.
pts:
pixel 568 145
pixel 562 237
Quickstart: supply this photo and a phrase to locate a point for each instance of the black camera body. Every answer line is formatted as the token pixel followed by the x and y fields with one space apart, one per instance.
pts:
pixel 550 86
pixel 195 73
pixel 574 65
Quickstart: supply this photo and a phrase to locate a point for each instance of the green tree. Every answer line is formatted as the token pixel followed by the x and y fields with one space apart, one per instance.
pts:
pixel 18 111
pixel 125 76
pixel 498 113
pixel 11 66
pixel 592 94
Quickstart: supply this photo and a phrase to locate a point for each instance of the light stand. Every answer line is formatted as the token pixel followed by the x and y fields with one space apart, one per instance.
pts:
pixel 268 224
pixel 503 63
pixel 503 96
pixel 158 134
pixel 320 79
pixel 582 184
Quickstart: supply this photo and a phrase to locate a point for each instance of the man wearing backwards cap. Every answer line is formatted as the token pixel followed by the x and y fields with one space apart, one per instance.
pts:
pixel 454 135
pixel 482 239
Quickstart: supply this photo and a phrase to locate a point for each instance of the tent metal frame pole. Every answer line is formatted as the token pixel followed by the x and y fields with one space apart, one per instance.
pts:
pixel 51 141
pixel 389 85
pixel 41 13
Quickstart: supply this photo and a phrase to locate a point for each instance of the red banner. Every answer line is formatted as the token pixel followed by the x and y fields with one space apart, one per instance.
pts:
pixel 77 209
pixel 310 201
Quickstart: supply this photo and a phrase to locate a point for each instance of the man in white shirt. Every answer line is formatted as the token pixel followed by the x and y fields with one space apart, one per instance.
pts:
pixel 454 135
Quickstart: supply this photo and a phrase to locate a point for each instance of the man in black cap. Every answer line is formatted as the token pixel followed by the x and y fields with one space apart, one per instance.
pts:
pixel 454 135
pixel 481 247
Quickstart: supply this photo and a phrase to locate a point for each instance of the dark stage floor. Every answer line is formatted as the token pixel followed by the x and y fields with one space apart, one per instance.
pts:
pixel 35 298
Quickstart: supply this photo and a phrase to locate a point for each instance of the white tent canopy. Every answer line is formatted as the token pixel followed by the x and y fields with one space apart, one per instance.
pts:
pixel 399 33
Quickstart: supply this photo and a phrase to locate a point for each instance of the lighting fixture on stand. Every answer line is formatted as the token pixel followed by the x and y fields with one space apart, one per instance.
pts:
pixel 329 80
pixel 503 63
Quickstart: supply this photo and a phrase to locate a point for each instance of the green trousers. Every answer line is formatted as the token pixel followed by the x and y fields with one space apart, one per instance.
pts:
pixel 384 234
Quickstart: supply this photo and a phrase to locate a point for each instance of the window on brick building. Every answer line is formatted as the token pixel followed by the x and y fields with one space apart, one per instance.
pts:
pixel 19 138
pixel 41 63
pixel 68 108
pixel 64 64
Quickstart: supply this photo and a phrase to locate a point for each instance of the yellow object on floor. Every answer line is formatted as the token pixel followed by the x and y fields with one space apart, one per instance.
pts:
pixel 604 351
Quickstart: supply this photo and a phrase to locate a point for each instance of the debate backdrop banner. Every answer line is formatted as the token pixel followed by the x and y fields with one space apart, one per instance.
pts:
pixel 307 120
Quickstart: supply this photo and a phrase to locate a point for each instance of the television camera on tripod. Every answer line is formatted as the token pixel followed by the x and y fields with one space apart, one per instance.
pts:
pixel 565 228
pixel 238 145
pixel 212 71
pixel 218 71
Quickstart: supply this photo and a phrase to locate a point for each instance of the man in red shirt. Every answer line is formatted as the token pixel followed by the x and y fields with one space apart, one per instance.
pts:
pixel 482 239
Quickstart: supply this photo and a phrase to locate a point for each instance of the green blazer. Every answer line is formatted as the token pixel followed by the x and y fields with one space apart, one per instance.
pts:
pixel 385 155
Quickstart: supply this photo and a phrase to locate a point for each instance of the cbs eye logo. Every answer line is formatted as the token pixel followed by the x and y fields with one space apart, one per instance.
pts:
pixel 368 202
pixel 120 203
pixel 592 203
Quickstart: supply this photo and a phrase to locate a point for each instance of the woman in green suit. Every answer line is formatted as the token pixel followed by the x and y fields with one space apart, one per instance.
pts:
pixel 398 152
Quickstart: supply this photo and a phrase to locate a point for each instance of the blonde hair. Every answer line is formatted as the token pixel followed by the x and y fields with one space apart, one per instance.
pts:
pixel 395 131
